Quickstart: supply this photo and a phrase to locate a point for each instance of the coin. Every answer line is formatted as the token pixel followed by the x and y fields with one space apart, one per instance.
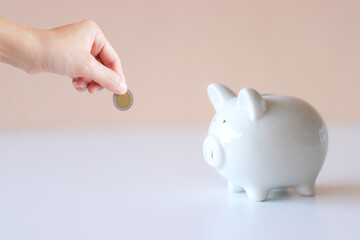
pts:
pixel 123 102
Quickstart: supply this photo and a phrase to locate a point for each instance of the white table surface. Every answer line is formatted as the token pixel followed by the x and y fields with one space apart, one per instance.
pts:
pixel 152 183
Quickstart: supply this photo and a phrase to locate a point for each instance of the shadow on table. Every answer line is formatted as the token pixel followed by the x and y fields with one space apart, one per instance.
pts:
pixel 275 195
pixel 350 191
pixel 279 194
pixel 342 192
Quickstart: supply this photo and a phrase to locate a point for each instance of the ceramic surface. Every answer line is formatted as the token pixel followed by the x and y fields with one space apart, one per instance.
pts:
pixel 261 142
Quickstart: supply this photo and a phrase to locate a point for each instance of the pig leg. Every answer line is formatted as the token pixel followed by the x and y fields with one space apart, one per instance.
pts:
pixel 232 187
pixel 257 194
pixel 306 189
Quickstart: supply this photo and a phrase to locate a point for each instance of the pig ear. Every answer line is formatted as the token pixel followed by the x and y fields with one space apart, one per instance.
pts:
pixel 252 102
pixel 219 95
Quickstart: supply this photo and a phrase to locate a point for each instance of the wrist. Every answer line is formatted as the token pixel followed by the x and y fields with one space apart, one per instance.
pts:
pixel 32 51
pixel 19 46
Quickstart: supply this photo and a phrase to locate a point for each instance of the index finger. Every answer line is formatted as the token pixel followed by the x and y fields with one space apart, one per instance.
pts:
pixel 107 54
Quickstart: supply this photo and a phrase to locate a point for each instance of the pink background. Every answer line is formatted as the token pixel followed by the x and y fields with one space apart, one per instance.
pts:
pixel 171 50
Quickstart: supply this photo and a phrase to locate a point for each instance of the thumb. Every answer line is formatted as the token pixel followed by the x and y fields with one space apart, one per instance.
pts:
pixel 104 76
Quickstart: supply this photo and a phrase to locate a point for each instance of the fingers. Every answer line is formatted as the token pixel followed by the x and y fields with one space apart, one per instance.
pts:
pixel 78 87
pixel 100 67
pixel 94 87
pixel 105 53
pixel 110 58
pixel 104 76
pixel 82 84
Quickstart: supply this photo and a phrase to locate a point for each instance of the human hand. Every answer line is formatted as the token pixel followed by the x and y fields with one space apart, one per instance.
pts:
pixel 78 50
pixel 81 51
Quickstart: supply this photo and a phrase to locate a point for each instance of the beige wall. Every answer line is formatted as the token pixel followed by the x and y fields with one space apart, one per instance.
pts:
pixel 171 50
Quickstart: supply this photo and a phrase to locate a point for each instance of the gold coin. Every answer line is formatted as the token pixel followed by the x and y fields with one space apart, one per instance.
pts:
pixel 123 102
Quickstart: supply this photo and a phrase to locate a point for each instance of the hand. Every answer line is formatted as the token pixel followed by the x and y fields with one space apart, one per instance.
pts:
pixel 82 52
pixel 78 50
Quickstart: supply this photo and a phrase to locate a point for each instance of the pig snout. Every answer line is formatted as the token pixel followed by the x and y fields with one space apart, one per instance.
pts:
pixel 213 152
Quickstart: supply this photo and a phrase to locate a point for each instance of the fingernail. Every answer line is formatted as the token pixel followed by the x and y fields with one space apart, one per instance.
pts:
pixel 83 86
pixel 96 90
pixel 122 89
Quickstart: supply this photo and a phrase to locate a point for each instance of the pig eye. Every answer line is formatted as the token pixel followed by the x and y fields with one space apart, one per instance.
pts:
pixel 224 121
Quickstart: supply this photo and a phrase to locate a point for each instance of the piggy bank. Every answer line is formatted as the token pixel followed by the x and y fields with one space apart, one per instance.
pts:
pixel 261 142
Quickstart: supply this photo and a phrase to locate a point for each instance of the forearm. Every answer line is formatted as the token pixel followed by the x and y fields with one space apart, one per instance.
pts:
pixel 18 45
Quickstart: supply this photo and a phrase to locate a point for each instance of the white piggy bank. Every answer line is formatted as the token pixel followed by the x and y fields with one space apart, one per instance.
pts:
pixel 261 142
